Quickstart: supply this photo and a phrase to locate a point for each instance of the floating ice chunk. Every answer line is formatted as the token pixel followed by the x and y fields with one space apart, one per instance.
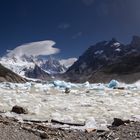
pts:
pixel 86 84
pixel 28 84
pixel 98 86
pixel 25 86
pixel 113 84
pixel 91 123
pixel 12 86
pixel 6 85
pixel 136 85
pixel 40 87
pixel 62 84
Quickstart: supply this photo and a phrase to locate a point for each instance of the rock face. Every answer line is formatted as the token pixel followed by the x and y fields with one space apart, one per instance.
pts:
pixel 25 64
pixel 126 70
pixel 108 60
pixel 118 122
pixel 53 66
pixel 37 73
pixel 7 75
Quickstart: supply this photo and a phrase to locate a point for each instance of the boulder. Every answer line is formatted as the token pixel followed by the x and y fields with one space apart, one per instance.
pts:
pixel 118 122
pixel 67 90
pixel 19 110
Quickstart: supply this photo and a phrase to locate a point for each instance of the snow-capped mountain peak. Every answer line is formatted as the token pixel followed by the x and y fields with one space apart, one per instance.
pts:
pixel 53 66
pixel 16 64
pixel 116 44
pixel 26 66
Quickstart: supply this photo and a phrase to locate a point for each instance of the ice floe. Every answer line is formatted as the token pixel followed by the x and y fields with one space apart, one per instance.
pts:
pixel 96 104
pixel 113 84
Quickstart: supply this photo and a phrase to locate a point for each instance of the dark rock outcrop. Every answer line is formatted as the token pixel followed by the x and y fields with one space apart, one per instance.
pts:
pixel 37 73
pixel 107 60
pixel 19 110
pixel 53 66
pixel 7 75
pixel 118 122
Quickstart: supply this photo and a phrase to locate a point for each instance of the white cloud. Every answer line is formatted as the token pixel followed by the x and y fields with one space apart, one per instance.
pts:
pixel 67 62
pixel 34 49
pixel 88 2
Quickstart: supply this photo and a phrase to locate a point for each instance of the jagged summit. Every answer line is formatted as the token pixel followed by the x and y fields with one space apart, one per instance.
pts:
pixel 28 66
pixel 106 60
pixel 53 66
pixel 135 42
pixel 37 73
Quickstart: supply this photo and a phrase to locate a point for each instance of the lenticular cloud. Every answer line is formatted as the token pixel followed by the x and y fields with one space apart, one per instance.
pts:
pixel 35 49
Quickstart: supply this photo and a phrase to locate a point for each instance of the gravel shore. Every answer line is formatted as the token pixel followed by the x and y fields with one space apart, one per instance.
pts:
pixel 11 129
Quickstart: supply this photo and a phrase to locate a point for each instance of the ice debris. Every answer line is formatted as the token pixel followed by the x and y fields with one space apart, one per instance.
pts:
pixel 113 84
pixel 91 123
pixel 62 84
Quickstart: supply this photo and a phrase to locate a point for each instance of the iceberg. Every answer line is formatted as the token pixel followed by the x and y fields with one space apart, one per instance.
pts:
pixel 91 123
pixel 61 84
pixel 86 84
pixel 113 84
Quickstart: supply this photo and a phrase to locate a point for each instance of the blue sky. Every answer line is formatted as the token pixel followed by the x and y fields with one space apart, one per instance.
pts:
pixel 73 24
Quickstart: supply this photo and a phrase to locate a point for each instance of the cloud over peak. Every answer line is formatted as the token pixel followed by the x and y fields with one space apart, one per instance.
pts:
pixel 34 49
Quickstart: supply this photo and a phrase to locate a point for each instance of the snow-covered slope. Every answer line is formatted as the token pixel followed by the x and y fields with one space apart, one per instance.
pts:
pixel 52 66
pixel 16 64
pixel 28 66
pixel 32 58
pixel 68 62
pixel 25 58
pixel 7 75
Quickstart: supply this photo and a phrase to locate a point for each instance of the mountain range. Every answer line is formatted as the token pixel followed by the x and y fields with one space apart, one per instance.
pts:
pixel 30 67
pixel 107 60
pixel 102 62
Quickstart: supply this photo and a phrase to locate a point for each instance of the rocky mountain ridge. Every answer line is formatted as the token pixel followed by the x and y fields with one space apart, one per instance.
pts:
pixel 7 75
pixel 107 60
pixel 33 67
